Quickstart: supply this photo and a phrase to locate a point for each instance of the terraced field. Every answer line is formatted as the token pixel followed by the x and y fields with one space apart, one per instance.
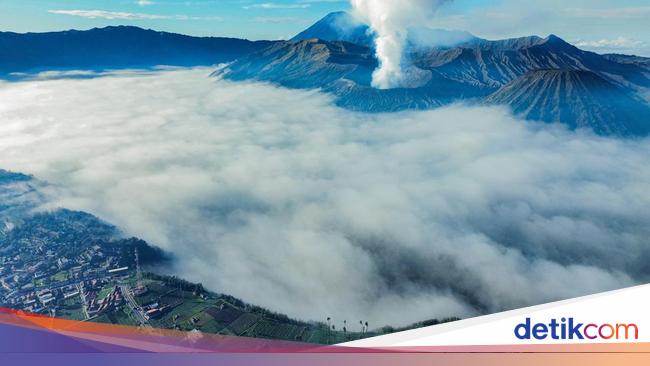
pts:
pixel 243 323
pixel 221 314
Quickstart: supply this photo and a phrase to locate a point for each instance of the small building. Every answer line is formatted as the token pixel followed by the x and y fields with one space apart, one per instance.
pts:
pixel 118 271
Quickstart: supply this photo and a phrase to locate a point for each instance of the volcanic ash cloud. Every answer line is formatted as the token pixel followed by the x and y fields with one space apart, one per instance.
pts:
pixel 391 20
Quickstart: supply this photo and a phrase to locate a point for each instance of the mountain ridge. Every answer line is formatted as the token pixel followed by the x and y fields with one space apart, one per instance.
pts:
pixel 470 71
pixel 116 47
pixel 576 98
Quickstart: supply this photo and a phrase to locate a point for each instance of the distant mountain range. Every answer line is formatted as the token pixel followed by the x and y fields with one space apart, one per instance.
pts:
pixel 114 48
pixel 544 79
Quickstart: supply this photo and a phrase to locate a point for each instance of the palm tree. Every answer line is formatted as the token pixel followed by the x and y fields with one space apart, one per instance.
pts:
pixel 329 326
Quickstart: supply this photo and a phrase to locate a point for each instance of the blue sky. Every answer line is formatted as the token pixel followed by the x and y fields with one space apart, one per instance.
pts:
pixel 600 25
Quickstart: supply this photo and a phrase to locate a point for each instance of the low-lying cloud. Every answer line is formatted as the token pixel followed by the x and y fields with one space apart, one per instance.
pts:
pixel 282 199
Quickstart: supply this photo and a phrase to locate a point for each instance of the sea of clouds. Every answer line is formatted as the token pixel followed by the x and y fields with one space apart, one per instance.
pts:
pixel 280 198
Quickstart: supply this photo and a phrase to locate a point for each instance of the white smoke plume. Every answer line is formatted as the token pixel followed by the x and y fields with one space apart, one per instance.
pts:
pixel 390 20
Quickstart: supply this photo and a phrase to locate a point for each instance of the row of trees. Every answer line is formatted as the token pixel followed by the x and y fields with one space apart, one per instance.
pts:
pixel 347 333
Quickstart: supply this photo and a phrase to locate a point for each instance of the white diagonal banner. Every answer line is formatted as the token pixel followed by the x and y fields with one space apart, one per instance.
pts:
pixel 620 316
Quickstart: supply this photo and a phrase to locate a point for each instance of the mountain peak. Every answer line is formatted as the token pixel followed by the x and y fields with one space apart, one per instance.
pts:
pixel 554 40
pixel 337 26
pixel 577 98
pixel 341 26
pixel 115 47
pixel 336 15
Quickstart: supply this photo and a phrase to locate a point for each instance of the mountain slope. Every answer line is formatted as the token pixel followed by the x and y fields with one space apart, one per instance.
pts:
pixel 577 98
pixel 496 63
pixel 345 70
pixel 474 69
pixel 470 70
pixel 462 57
pixel 643 62
pixel 115 47
pixel 306 64
pixel 628 59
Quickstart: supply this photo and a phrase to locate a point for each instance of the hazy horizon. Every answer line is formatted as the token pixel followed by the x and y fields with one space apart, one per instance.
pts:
pixel 602 26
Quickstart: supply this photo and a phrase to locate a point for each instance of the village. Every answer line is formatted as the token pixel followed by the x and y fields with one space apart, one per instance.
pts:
pixel 71 265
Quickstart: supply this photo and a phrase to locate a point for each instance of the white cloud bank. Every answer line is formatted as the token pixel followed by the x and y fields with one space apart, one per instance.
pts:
pixel 112 15
pixel 616 45
pixel 280 198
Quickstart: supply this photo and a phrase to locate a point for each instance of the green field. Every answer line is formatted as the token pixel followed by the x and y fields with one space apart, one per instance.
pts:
pixel 39 282
pixel 186 307
pixel 72 309
pixel 212 313
pixel 205 314
pixel 116 317
pixel 107 289
pixel 244 323
pixel 60 276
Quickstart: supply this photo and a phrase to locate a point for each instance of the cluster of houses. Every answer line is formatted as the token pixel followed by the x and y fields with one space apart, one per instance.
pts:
pixel 155 310
pixel 40 301
pixel 96 306
pixel 38 276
